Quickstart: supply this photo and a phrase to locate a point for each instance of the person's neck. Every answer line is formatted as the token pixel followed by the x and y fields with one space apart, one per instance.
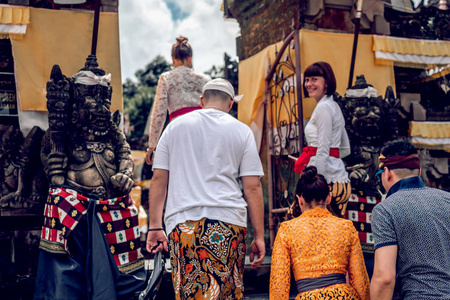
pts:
pixel 178 63
pixel 321 98
pixel 395 181
pixel 312 206
pixel 215 107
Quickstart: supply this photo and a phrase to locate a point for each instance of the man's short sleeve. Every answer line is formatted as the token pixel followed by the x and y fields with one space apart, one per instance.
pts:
pixel 161 159
pixel 250 163
pixel 383 227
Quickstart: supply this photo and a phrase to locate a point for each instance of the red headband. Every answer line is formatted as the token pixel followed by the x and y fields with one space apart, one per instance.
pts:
pixel 400 162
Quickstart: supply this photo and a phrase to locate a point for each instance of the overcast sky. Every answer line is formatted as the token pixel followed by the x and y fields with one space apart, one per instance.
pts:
pixel 149 27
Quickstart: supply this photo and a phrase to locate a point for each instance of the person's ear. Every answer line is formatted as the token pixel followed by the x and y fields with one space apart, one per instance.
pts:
pixel 231 105
pixel 328 200
pixel 389 174
pixel 202 102
pixel 300 200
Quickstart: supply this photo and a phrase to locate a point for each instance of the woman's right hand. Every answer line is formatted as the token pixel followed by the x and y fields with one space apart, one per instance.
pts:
pixel 149 156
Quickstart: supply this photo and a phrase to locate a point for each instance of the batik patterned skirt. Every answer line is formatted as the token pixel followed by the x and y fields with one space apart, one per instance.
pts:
pixel 207 258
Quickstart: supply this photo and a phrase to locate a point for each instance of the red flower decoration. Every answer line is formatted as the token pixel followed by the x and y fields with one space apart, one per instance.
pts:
pixel 175 237
pixel 189 268
pixel 202 254
pixel 234 245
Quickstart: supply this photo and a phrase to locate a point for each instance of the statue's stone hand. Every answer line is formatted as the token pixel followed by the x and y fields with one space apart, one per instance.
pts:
pixel 14 198
pixel 123 182
pixel 3 190
pixel 36 197
pixel 57 180
pixel 357 177
pixel 57 162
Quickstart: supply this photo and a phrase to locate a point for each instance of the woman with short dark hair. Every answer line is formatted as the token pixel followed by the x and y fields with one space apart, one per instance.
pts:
pixel 321 249
pixel 326 137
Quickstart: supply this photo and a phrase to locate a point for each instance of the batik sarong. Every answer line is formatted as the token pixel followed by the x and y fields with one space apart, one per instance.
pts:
pixel 207 258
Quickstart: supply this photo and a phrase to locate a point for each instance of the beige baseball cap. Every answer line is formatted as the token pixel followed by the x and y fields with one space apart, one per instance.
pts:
pixel 222 85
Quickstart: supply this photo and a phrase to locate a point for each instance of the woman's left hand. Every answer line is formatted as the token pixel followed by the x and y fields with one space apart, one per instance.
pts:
pixel 149 156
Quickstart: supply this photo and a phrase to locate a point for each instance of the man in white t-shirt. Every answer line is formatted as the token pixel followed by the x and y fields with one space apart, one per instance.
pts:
pixel 198 162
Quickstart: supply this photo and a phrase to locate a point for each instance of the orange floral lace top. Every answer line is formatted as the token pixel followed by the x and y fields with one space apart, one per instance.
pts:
pixel 316 244
pixel 179 88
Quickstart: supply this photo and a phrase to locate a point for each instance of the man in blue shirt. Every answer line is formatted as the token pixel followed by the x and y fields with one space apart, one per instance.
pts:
pixel 411 228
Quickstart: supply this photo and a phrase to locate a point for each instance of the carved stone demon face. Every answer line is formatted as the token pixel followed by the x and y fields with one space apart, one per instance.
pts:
pixel 366 116
pixel 10 140
pixel 91 111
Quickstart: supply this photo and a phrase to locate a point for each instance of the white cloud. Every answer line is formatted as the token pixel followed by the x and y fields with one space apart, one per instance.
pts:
pixel 147 29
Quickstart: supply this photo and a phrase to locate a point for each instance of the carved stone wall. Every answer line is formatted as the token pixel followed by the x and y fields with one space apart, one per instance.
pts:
pixel 264 23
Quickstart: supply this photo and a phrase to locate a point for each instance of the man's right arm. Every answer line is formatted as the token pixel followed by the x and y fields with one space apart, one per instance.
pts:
pixel 157 197
pixel 254 198
pixel 383 280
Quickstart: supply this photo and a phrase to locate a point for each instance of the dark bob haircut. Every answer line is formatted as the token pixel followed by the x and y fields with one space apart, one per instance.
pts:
pixel 323 69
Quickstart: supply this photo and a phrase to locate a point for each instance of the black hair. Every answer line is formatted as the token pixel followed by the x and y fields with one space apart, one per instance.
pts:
pixel 323 69
pixel 181 49
pixel 216 93
pixel 398 147
pixel 312 186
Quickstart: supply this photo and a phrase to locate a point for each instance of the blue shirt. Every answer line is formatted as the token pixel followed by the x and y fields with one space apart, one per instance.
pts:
pixel 416 218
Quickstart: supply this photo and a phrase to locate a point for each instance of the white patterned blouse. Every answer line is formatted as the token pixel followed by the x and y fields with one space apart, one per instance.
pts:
pixel 177 89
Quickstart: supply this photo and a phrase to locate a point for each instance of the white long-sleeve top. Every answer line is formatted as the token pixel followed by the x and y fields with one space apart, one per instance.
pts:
pixel 325 130
pixel 179 88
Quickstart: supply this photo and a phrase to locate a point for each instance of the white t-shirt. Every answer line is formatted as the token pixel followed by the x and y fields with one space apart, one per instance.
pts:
pixel 205 152
pixel 325 130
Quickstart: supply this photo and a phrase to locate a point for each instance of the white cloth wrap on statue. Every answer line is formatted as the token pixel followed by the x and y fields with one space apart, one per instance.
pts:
pixel 89 78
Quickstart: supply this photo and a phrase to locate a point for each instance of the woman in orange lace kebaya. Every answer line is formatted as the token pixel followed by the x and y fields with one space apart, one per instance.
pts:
pixel 323 251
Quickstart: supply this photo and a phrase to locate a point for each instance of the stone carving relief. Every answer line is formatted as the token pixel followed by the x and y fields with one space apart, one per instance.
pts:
pixel 23 183
pixel 371 121
pixel 84 147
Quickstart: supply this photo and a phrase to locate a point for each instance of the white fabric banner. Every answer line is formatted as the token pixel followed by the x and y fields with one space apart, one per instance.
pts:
pixel 421 59
pixel 69 1
pixel 8 28
pixel 443 143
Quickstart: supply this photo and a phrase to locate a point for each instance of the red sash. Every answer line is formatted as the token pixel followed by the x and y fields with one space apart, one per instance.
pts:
pixel 306 155
pixel 183 111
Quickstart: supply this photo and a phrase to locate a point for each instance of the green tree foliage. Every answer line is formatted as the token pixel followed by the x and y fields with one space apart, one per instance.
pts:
pixel 228 71
pixel 138 99
pixel 215 72
pixel 150 74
